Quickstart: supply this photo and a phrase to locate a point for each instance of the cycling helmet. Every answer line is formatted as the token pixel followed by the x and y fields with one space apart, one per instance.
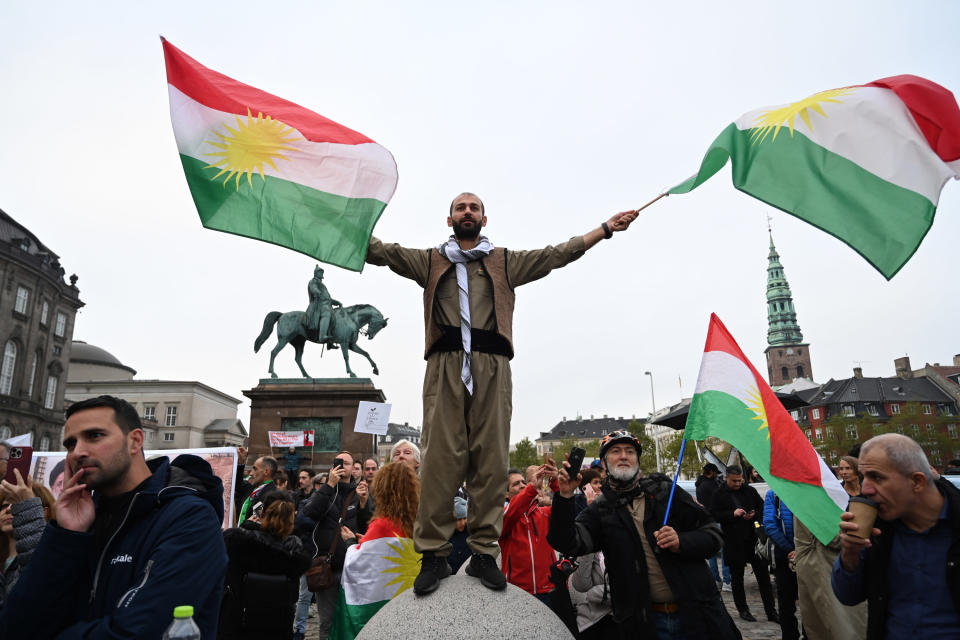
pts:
pixel 618 437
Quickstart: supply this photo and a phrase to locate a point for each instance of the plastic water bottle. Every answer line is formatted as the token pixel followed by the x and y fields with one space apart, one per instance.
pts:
pixel 183 627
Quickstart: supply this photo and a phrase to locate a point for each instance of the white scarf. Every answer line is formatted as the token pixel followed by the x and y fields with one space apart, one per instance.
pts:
pixel 451 251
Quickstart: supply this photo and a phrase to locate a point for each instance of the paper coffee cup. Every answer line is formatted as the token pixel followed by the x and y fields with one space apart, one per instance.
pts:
pixel 864 512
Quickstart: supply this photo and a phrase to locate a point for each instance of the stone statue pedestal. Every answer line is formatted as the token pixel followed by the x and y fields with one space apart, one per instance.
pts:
pixel 327 405
pixel 463 609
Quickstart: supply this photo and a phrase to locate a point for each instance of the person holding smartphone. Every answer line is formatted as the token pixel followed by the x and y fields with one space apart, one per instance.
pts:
pixel 340 495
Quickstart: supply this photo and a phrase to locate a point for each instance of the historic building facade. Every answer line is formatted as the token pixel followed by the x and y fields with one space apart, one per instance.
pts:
pixel 37 312
pixel 788 356
pixel 176 414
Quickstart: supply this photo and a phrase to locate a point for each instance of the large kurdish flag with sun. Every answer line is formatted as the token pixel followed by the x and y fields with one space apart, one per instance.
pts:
pixel 733 402
pixel 864 163
pixel 375 571
pixel 263 167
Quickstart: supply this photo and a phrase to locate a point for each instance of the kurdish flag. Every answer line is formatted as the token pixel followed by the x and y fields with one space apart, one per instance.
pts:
pixel 864 163
pixel 262 167
pixel 732 402
pixel 375 571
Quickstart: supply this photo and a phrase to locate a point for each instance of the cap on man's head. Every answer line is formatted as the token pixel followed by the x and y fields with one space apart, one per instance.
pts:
pixel 596 464
pixel 459 508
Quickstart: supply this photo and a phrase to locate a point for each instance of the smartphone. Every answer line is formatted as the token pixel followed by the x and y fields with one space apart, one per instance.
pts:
pixel 576 461
pixel 338 463
pixel 19 459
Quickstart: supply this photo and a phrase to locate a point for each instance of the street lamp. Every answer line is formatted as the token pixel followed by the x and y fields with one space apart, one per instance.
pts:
pixel 656 439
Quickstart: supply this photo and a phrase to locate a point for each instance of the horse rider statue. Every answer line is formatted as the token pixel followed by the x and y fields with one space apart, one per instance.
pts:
pixel 320 308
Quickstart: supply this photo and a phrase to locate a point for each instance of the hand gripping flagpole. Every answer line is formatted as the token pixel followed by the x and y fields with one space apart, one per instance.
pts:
pixel 663 194
pixel 683 445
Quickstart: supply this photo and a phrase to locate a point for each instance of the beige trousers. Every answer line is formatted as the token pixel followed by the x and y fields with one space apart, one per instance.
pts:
pixel 464 438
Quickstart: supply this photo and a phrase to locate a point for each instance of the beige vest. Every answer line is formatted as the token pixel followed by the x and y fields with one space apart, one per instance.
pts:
pixel 495 266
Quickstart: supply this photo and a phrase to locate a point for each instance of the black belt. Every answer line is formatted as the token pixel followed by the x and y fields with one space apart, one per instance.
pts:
pixel 481 341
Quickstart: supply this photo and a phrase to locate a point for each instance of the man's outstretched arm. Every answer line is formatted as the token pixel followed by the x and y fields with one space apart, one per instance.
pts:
pixel 527 266
pixel 619 222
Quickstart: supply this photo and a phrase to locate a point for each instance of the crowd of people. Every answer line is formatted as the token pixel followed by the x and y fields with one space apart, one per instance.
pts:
pixel 128 539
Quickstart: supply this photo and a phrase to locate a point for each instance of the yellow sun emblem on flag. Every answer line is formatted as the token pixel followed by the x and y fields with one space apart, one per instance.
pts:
pixel 759 411
pixel 408 565
pixel 775 118
pixel 244 150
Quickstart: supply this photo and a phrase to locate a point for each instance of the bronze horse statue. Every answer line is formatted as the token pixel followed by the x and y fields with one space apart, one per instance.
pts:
pixel 346 324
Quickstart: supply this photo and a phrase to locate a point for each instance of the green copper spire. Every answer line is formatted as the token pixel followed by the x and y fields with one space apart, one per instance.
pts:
pixel 781 316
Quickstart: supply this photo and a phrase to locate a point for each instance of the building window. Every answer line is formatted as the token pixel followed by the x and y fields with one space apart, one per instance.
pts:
pixel 830 434
pixel 912 409
pixel 795 415
pixel 150 412
pixel 900 429
pixel 848 410
pixel 51 395
pixel 833 456
pixel 171 417
pixel 952 430
pixel 816 414
pixel 5 432
pixel 872 409
pixel 895 409
pixel 168 436
pixel 852 432
pixel 150 436
pixel 820 435
pixel 45 443
pixel 929 428
pixel 809 435
pixel 784 373
pixel 915 428
pixel 23 297
pixel 799 372
pixel 926 410
pixel 7 368
pixel 44 312
pixel 61 329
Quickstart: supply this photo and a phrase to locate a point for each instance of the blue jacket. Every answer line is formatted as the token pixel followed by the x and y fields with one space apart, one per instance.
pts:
pixel 780 531
pixel 168 551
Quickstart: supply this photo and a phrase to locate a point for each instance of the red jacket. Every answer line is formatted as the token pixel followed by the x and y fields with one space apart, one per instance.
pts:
pixel 526 555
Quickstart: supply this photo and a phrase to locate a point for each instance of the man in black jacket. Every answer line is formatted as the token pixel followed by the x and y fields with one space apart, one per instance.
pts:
pixel 707 485
pixel 660 585
pixel 737 507
pixel 908 570
pixel 325 508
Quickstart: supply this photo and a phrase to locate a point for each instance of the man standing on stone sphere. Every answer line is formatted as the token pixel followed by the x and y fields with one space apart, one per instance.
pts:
pixel 467 391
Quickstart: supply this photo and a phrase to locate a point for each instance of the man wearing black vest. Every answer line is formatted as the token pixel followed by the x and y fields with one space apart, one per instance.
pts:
pixel 467 390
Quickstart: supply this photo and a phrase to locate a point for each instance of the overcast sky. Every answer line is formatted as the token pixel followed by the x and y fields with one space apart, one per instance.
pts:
pixel 557 114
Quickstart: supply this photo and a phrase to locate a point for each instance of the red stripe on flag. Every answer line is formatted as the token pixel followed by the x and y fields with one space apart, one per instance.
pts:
pixel 223 93
pixel 792 457
pixel 933 108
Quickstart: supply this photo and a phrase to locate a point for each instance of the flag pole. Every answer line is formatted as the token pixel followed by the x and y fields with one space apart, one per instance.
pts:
pixel 683 445
pixel 662 195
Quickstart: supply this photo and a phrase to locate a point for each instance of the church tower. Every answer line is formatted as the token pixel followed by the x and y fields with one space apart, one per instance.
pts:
pixel 788 356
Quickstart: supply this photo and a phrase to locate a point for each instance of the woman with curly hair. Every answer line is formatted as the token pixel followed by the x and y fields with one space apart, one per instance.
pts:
pixel 387 544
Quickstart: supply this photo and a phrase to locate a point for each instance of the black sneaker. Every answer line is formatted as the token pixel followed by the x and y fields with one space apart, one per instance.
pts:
pixel 773 617
pixel 746 615
pixel 433 569
pixel 483 566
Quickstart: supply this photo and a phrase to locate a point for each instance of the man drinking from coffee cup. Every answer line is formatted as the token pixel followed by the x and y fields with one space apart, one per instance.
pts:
pixel 908 567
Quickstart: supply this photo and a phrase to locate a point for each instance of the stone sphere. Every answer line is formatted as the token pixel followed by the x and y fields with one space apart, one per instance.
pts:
pixel 463 609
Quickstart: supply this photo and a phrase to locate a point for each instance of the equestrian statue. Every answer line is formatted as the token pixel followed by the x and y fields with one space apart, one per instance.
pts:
pixel 321 323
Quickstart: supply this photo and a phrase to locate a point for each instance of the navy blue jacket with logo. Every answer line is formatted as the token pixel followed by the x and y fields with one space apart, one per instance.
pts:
pixel 168 551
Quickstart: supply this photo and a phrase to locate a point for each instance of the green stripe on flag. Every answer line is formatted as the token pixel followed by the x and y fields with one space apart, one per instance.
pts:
pixel 330 228
pixel 881 221
pixel 718 414
pixel 349 619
